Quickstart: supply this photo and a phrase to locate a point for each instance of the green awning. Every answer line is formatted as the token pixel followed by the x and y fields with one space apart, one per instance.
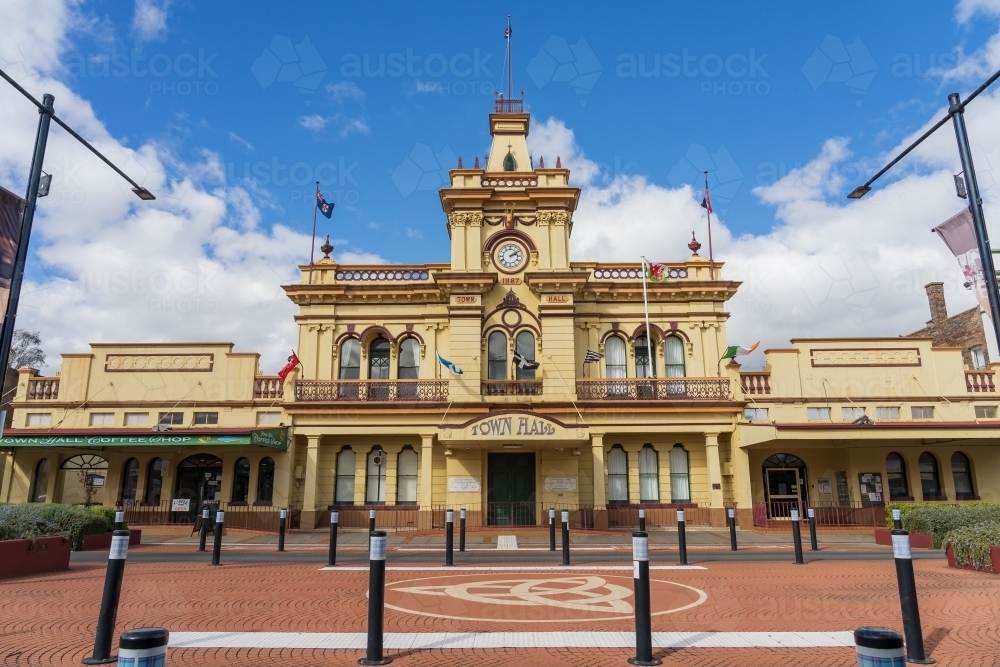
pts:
pixel 275 438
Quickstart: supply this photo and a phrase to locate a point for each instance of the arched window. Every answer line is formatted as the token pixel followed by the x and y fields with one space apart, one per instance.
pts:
pixel 497 355
pixel 673 352
pixel 961 471
pixel 614 348
pixel 375 482
pixel 680 481
pixel 265 480
pixel 406 477
pixel 40 485
pixel 899 485
pixel 154 481
pixel 525 344
pixel 644 365
pixel 930 478
pixel 343 492
pixel 130 480
pixel 409 359
pixel 350 359
pixel 241 480
pixel 617 476
pixel 649 475
pixel 378 359
pixel 509 164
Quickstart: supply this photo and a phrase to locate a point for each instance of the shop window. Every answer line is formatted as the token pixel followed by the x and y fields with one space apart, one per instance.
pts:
pixel 525 344
pixel 922 412
pixel 930 477
pixel 961 471
pixel 645 366
pixel 899 485
pixel 849 414
pixel 265 480
pixel 241 480
pixel 130 480
pixel 649 475
pixel 102 419
pixel 617 476
pixel 378 359
pixel 673 352
pixel 154 481
pixel 40 484
pixel 755 414
pixel 375 479
pixel 344 490
pixel 818 414
pixel 887 412
pixel 406 477
pixel 136 419
pixel 409 359
pixel 680 482
pixel 986 412
pixel 614 348
pixel 268 418
pixel 206 418
pixel 350 359
pixel 497 356
pixel 38 419
pixel 171 418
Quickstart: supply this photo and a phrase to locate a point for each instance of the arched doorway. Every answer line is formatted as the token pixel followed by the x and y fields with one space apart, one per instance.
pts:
pixel 199 479
pixel 785 485
pixel 83 478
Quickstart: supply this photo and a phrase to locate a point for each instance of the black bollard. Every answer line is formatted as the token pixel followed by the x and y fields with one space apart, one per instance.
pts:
pixel 643 616
pixel 282 522
pixel 897 520
pixel 732 529
pixel 796 537
pixel 220 518
pixel 682 544
pixel 143 646
pixel 878 646
pixel 642 520
pixel 908 598
pixel 565 537
pixel 109 601
pixel 203 535
pixel 813 546
pixel 552 530
pixel 449 537
pixel 371 524
pixel 376 600
pixel 119 520
pixel 331 558
pixel 461 530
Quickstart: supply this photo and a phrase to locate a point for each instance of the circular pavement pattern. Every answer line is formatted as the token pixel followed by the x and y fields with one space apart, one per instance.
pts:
pixel 534 598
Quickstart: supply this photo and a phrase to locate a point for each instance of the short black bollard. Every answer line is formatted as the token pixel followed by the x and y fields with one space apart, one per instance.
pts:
pixel 879 646
pixel 371 525
pixel 282 522
pixel 461 530
pixel 642 520
pixel 203 535
pixel 813 546
pixel 109 601
pixel 732 529
pixel 908 598
pixel 643 616
pixel 682 544
pixel 331 558
pixel 897 519
pixel 376 599
pixel 449 537
pixel 552 530
pixel 119 520
pixel 220 518
pixel 143 646
pixel 797 537
pixel 565 537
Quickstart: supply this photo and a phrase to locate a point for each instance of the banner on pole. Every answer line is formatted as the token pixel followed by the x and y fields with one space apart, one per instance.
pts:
pixel 11 211
pixel 959 233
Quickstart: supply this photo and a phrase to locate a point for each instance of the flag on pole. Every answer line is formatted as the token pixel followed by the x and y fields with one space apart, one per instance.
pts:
pixel 706 201
pixel 293 361
pixel 455 370
pixel 959 233
pixel 734 351
pixel 325 207
pixel 523 363
pixel 592 357
pixel 657 273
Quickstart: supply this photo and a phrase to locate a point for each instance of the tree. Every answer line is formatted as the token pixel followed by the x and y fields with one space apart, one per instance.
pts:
pixel 25 350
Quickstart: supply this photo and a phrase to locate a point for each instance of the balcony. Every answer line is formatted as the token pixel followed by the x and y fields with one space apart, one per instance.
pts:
pixel 43 389
pixel 371 391
pixel 673 389
pixel 979 381
pixel 512 388
pixel 755 383
pixel 267 387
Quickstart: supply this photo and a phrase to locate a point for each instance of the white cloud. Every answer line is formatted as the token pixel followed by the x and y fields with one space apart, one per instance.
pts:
pixel 313 122
pixel 343 125
pixel 240 141
pixel 150 19
pixel 427 86
pixel 413 233
pixel 345 90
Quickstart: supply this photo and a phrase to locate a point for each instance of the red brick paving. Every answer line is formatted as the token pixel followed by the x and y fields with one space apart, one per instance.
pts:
pixel 50 619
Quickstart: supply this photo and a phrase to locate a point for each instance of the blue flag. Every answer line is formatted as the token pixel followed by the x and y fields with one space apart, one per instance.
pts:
pixel 449 365
pixel 325 207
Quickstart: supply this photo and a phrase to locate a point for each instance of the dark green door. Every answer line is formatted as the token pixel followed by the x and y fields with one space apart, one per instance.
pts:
pixel 510 493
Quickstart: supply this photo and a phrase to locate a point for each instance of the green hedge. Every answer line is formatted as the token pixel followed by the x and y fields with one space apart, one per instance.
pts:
pixel 972 544
pixel 33 520
pixel 938 520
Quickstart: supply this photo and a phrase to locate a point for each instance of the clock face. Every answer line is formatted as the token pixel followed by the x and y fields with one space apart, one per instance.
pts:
pixel 510 256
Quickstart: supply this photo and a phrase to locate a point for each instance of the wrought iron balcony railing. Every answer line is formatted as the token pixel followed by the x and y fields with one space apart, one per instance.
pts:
pixel 655 389
pixel 512 388
pixel 371 390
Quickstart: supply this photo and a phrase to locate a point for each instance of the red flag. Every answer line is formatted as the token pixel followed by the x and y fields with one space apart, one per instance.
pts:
pixel 706 202
pixel 293 361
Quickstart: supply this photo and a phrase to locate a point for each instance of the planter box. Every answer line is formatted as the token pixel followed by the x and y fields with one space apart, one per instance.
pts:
pixel 102 541
pixel 994 556
pixel 917 540
pixel 19 558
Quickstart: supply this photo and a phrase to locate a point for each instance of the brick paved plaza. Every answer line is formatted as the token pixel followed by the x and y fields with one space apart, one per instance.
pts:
pixel 50 619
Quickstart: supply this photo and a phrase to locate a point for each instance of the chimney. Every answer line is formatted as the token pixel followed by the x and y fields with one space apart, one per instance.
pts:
pixel 935 298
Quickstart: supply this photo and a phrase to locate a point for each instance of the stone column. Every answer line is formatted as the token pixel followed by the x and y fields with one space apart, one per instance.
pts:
pixel 425 486
pixel 309 509
pixel 600 488
pixel 714 477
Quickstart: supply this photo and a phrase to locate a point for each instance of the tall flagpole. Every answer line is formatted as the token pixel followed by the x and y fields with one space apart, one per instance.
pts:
pixel 312 248
pixel 708 211
pixel 649 336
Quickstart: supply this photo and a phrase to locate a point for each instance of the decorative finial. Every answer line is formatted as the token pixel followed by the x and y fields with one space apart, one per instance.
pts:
pixel 326 248
pixel 460 162
pixel 694 245
pixel 558 162
pixel 541 162
pixel 476 166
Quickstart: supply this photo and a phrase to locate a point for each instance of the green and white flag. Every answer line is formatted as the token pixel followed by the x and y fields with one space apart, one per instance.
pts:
pixel 734 351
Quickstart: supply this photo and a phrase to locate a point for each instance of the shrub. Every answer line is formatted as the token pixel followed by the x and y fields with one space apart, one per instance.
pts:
pixel 19 522
pixel 108 513
pixel 31 520
pixel 971 544
pixel 939 520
